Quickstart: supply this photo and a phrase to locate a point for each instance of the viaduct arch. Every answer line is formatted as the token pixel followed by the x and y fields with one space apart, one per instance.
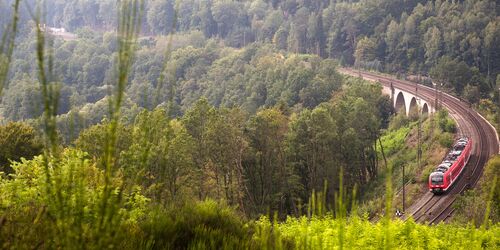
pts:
pixel 407 102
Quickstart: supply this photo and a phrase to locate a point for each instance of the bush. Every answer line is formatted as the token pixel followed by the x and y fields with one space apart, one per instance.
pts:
pixel 450 126
pixel 399 121
pixel 446 140
pixel 394 140
pixel 203 225
pixel 17 140
pixel 446 124
pixel 60 204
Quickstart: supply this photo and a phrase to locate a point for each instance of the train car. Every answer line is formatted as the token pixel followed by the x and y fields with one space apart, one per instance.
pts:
pixel 445 175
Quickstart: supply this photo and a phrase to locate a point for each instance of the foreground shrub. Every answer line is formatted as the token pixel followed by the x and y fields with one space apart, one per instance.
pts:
pixel 357 233
pixel 17 140
pixel 60 204
pixel 202 225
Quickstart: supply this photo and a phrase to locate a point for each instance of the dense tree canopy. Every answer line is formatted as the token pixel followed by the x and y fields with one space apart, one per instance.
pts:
pixel 254 77
pixel 274 158
pixel 414 36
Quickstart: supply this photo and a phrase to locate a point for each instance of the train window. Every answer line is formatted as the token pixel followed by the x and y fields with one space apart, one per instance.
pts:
pixel 451 157
pixel 437 179
pixel 442 169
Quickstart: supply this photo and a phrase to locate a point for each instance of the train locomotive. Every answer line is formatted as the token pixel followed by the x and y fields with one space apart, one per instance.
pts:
pixel 445 175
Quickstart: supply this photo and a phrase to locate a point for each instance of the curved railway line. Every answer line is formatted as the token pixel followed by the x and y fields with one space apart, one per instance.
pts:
pixel 432 208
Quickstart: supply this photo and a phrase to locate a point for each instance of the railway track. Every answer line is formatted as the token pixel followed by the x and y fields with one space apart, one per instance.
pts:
pixel 432 208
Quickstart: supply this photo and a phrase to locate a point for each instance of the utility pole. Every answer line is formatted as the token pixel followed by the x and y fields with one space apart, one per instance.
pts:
pixel 419 147
pixel 436 95
pixel 441 95
pixel 434 84
pixel 404 194
pixel 244 38
pixel 469 178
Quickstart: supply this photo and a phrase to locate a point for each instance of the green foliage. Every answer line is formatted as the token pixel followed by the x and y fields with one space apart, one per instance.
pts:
pixel 395 140
pixel 200 225
pixel 317 233
pixel 76 202
pixel 203 225
pixel 91 140
pixel 451 74
pixel 258 76
pixel 160 16
pixel 365 50
pixel 412 39
pixel 471 93
pixel 490 111
pixel 342 133
pixel 446 123
pixel 269 175
pixel 73 202
pixel 450 126
pixel 159 157
pixel 471 206
pixel 218 151
pixel 17 140
pixel 446 140
pixel 313 134
pixel 21 100
pixel 399 121
pixel 419 37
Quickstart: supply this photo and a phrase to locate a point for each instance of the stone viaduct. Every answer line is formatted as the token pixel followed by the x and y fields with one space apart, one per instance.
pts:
pixel 404 101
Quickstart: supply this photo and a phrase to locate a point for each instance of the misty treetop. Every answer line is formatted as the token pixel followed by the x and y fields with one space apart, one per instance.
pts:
pixel 392 35
pixel 253 77
pixel 415 36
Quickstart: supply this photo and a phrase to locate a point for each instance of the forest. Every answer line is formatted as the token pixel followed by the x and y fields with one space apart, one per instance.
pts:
pixel 413 36
pixel 457 43
pixel 226 124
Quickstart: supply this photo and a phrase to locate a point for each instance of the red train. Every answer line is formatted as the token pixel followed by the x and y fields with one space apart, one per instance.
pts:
pixel 452 166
